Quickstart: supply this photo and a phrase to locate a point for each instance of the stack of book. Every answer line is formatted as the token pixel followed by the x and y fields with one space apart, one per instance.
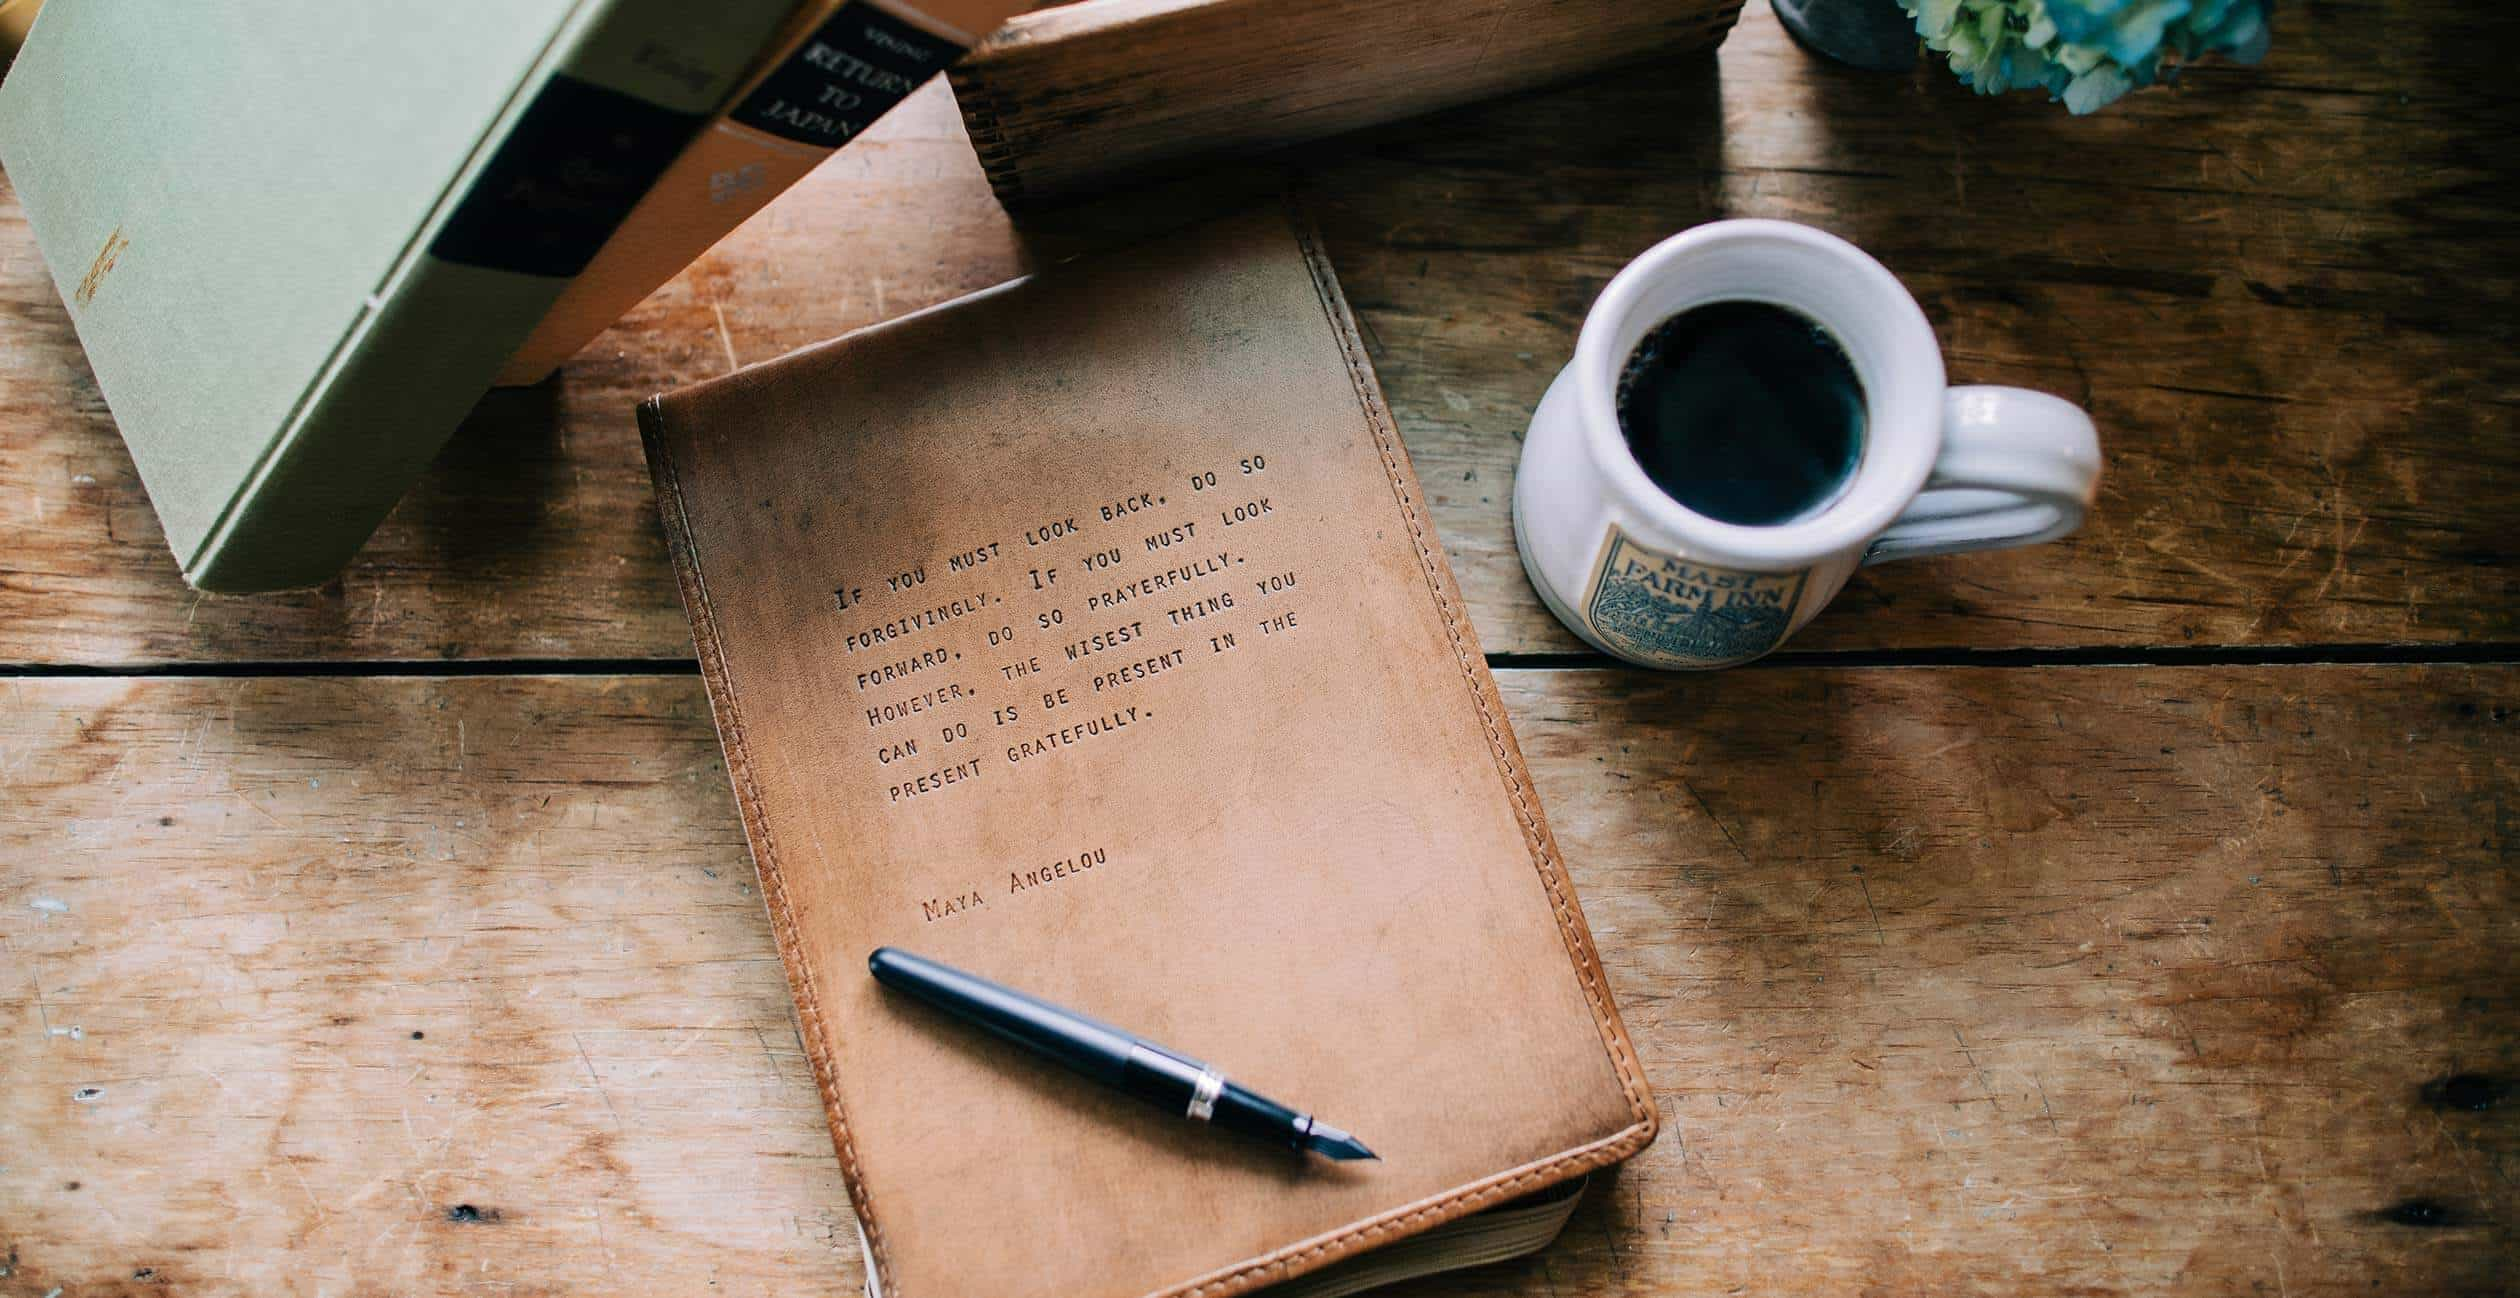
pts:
pixel 299 239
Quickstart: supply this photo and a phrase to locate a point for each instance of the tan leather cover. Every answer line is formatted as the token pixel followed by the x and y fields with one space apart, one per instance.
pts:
pixel 1310 858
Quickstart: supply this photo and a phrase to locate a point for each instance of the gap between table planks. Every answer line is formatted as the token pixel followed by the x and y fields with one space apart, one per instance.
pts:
pixel 2288 294
pixel 2091 980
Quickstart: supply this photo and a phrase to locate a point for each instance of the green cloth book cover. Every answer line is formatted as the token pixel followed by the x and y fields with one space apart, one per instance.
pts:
pixel 297 238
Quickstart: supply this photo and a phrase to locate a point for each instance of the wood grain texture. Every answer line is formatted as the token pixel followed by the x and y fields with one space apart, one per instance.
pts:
pixel 2099 981
pixel 1066 101
pixel 2287 292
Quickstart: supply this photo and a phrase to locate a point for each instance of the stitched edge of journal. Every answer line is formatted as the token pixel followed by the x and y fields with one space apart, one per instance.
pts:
pixel 1613 1148
pixel 793 957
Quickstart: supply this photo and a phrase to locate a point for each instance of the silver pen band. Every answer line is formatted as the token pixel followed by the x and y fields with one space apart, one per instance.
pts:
pixel 1203 1094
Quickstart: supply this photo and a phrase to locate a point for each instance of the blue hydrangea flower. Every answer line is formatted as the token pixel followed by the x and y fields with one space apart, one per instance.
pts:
pixel 2085 53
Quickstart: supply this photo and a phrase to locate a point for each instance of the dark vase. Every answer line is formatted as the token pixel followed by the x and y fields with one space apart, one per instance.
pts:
pixel 1873 34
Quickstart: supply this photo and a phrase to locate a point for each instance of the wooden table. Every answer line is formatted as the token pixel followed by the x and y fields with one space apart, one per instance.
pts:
pixel 2135 915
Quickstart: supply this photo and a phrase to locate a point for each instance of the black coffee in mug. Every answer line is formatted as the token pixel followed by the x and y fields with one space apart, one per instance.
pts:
pixel 1746 412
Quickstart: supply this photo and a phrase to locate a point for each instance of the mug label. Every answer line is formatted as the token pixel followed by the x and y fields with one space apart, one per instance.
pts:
pixel 1676 612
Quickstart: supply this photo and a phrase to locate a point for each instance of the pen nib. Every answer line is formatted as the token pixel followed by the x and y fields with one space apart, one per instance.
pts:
pixel 1330 1142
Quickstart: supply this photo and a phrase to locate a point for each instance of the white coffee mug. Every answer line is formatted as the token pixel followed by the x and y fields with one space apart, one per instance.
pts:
pixel 1942 469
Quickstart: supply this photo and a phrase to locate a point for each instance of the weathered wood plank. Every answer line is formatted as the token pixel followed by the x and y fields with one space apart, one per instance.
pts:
pixel 2287 292
pixel 2108 981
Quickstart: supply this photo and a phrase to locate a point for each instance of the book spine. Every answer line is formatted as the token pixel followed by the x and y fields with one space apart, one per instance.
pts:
pixel 619 92
pixel 835 79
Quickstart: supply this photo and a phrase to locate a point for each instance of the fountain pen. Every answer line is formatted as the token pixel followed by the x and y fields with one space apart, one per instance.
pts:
pixel 1108 1055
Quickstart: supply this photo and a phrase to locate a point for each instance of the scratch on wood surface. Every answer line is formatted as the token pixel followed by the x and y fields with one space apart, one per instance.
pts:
pixel 611 1264
pixel 1713 819
pixel 726 338
pixel 290 1161
pixel 694 1035
pixel 596 1079
pixel 1980 1073
pixel 257 808
pixel 2170 553
pixel 1618 1259
pixel 767 1055
pixel 1488 40
pixel 2344 546
pixel 1880 934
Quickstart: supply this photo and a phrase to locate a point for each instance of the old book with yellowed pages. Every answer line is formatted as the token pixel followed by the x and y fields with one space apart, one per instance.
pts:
pixel 1089 634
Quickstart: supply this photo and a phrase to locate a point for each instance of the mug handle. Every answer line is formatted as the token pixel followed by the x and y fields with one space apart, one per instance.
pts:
pixel 2017 468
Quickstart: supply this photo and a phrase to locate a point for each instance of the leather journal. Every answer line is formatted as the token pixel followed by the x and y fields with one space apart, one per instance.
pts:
pixel 1088 633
